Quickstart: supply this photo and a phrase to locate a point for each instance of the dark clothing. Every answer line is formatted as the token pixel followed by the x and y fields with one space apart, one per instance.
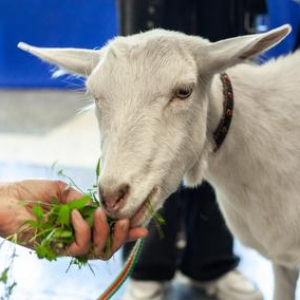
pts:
pixel 209 250
pixel 209 245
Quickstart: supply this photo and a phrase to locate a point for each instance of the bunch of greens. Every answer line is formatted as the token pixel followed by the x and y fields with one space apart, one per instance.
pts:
pixel 53 230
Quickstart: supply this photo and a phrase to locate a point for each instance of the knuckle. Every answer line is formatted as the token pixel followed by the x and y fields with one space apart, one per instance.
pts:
pixel 102 254
pixel 82 252
pixel 62 185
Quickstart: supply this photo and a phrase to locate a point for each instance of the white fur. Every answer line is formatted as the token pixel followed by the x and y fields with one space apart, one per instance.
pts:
pixel 151 139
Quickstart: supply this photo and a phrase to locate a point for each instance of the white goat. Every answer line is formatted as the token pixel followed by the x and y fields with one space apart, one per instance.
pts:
pixel 159 99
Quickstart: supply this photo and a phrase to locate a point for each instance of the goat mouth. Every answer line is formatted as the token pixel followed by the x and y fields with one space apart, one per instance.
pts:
pixel 143 214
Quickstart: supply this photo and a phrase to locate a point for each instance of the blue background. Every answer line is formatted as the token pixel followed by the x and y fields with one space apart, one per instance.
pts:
pixel 80 23
pixel 49 23
pixel 283 12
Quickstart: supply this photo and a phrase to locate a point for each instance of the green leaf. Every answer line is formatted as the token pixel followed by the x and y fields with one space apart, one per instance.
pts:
pixel 55 201
pixel 44 251
pixel 159 219
pixel 45 225
pixel 38 212
pixel 51 256
pixel 60 172
pixel 98 169
pixel 4 276
pixel 32 223
pixel 41 251
pixel 63 217
pixel 52 214
pixel 87 213
pixel 61 233
pixel 154 214
pixel 80 203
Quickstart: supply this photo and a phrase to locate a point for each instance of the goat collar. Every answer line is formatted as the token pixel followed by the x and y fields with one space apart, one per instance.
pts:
pixel 224 124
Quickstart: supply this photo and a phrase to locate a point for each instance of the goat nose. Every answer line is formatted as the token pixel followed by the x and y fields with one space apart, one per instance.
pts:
pixel 114 199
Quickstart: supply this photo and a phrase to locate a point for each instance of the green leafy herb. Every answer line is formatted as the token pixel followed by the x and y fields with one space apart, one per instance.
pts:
pixel 63 217
pixel 53 230
pixel 38 212
pixel 80 203
pixel 157 218
pixel 98 169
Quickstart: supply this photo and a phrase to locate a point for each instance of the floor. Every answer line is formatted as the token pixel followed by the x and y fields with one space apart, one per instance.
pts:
pixel 42 128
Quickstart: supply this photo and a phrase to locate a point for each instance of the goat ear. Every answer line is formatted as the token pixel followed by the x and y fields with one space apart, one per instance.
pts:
pixel 70 60
pixel 227 53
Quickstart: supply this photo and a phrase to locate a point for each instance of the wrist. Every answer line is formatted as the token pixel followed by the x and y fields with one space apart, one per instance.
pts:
pixel 8 190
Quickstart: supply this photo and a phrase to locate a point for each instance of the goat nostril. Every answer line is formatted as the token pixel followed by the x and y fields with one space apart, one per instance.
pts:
pixel 112 199
pixel 123 191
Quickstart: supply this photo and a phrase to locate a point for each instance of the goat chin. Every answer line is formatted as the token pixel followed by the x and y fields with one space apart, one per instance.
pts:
pixel 194 176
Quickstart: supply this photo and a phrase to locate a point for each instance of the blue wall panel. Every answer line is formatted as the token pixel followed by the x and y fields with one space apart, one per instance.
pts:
pixel 49 23
pixel 283 12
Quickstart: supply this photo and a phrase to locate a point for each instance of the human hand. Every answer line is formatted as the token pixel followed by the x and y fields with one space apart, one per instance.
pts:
pixel 13 214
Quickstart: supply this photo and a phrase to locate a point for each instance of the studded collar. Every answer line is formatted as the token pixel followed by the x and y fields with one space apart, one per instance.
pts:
pixel 221 131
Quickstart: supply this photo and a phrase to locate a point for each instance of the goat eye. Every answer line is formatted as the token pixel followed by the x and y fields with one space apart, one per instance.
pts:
pixel 183 93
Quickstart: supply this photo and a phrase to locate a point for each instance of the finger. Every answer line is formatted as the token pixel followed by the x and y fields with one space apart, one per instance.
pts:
pixel 82 243
pixel 71 194
pixel 67 193
pixel 137 233
pixel 120 236
pixel 101 233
